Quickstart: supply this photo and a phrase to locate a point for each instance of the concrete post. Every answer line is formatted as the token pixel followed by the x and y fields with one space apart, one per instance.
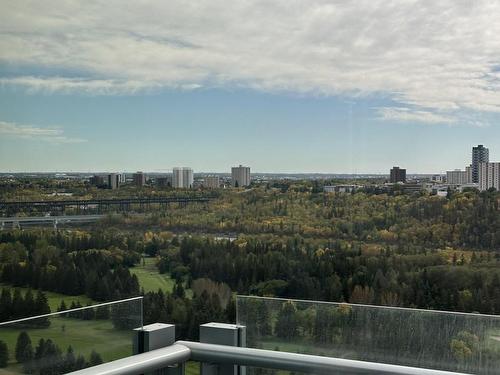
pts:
pixel 222 334
pixel 156 336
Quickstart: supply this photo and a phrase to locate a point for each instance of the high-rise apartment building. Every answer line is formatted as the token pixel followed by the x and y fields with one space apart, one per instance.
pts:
pixel 489 176
pixel 240 176
pixel 182 178
pixel 397 175
pixel 113 181
pixel 468 171
pixel 211 182
pixel 480 154
pixel 139 179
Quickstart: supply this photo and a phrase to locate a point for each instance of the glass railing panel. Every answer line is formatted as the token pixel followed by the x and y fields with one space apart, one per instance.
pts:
pixel 420 338
pixel 66 341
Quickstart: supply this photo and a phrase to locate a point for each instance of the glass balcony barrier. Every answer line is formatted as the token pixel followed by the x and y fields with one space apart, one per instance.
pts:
pixel 71 340
pixel 439 340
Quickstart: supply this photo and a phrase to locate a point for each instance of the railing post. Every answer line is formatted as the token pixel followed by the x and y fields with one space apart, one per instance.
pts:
pixel 222 334
pixel 156 336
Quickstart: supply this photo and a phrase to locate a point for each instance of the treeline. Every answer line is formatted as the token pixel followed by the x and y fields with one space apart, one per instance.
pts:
pixel 468 219
pixel 46 358
pixel 126 246
pixel 343 272
pixel 16 306
pixel 103 275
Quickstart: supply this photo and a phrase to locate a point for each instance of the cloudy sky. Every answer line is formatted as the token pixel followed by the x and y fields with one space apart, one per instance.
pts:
pixel 282 86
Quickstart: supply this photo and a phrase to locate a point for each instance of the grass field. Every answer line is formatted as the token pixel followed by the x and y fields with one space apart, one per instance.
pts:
pixel 149 277
pixel 83 335
pixel 151 280
pixel 54 299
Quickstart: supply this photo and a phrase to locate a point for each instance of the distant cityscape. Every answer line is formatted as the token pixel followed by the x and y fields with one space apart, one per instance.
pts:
pixel 480 174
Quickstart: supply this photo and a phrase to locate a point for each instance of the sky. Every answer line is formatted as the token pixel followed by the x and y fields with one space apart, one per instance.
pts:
pixel 281 86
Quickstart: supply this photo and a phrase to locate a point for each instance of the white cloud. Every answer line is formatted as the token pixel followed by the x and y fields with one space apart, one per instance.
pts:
pixel 407 114
pixel 438 58
pixel 53 135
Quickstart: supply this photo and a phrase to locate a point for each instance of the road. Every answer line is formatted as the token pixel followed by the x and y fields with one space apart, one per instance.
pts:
pixel 34 220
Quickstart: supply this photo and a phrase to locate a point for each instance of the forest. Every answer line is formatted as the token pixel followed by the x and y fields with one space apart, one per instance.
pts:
pixel 284 239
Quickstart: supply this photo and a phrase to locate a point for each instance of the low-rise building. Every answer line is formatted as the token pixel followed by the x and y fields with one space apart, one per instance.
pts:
pixel 164 181
pixel 340 188
pixel 438 178
pixel 458 177
pixel 211 182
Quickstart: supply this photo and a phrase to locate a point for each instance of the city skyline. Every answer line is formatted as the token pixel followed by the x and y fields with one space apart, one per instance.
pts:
pixel 170 171
pixel 307 91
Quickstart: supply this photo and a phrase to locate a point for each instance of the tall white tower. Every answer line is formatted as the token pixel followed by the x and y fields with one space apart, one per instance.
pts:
pixel 182 178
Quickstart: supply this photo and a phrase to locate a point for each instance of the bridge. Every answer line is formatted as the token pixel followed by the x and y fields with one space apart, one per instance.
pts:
pixel 18 222
pixel 99 205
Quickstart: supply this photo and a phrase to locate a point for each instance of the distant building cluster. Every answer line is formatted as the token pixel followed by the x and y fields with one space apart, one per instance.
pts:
pixel 181 178
pixel 481 173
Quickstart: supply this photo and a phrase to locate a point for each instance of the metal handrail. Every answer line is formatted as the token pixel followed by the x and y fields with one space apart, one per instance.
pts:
pixel 182 351
pixel 141 363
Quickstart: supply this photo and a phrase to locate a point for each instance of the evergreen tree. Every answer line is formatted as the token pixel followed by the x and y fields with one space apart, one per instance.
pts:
pixel 62 306
pixel 5 305
pixel 286 324
pixel 42 307
pixel 24 349
pixel 95 358
pixel 179 290
pixel 4 354
pixel 80 362
pixel 17 304
pixel 69 363
pixel 28 305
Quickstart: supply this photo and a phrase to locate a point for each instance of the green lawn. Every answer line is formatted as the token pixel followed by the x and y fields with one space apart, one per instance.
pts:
pixel 83 335
pixel 149 277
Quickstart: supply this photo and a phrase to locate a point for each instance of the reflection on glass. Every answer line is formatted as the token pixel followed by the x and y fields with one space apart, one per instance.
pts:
pixel 71 340
pixel 421 338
